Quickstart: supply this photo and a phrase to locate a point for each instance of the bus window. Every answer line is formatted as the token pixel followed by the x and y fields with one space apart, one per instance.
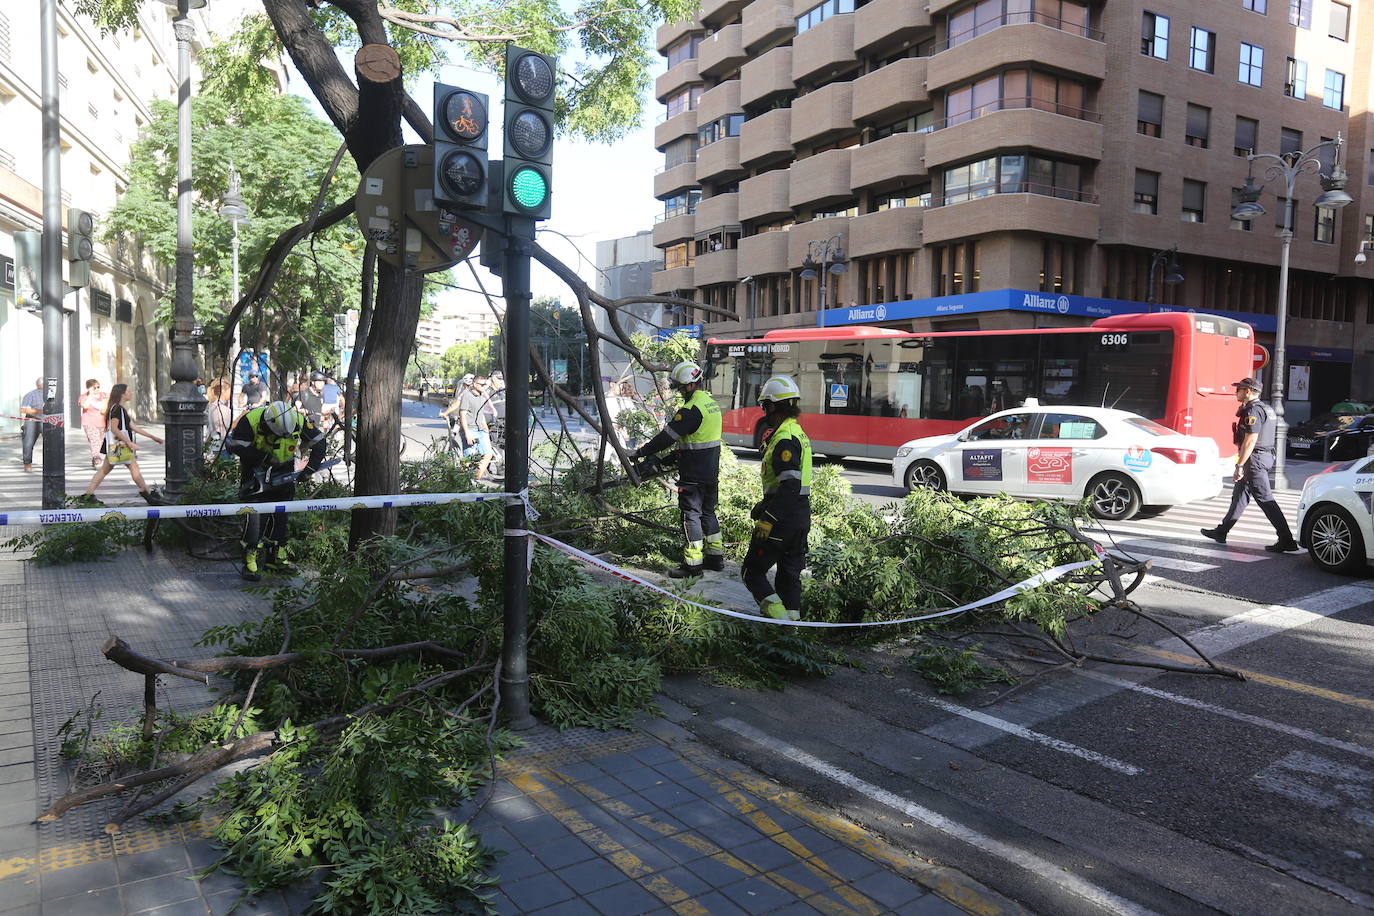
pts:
pixel 837 370
pixel 720 381
pixel 939 380
pixel 994 373
pixel 893 380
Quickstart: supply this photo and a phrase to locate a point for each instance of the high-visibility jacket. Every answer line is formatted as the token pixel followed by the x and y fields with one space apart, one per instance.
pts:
pixel 695 428
pixel 786 473
pixel 252 441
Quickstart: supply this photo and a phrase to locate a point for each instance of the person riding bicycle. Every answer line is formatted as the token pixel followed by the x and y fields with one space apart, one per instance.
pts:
pixel 267 441
pixel 456 440
pixel 695 429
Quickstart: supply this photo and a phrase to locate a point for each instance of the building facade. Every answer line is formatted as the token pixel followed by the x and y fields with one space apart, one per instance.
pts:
pixel 624 269
pixel 1041 149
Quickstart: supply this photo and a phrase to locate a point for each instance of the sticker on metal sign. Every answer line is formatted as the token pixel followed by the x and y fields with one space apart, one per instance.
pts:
pixel 1049 465
pixel 1137 458
pixel 982 464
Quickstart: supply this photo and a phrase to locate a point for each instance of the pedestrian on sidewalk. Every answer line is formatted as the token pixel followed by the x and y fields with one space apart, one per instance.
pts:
pixel 120 447
pixel 219 414
pixel 31 407
pixel 93 402
pixel 1254 432
pixel 782 519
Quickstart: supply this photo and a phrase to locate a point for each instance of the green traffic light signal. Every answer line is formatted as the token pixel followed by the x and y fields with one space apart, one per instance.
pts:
pixel 529 188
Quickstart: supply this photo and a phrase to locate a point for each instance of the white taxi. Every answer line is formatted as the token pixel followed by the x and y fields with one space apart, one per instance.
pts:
pixel 1334 521
pixel 1119 460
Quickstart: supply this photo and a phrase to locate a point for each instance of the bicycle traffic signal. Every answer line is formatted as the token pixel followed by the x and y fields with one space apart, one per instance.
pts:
pixel 460 147
pixel 80 245
pixel 528 180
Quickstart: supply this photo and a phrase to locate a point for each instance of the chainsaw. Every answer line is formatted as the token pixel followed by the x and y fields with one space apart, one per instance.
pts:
pixel 646 469
pixel 267 479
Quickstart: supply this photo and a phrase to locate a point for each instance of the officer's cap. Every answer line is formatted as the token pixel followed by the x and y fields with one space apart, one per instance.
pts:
pixel 1248 382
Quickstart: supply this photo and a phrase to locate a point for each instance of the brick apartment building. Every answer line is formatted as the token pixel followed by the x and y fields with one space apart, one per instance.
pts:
pixel 1012 163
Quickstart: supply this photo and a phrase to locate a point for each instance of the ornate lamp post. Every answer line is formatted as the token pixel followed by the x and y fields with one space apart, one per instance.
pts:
pixel 183 406
pixel 1289 166
pixel 1172 274
pixel 831 260
pixel 233 209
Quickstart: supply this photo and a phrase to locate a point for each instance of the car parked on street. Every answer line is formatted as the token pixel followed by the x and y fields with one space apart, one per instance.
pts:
pixel 1334 516
pixel 1332 437
pixel 1119 460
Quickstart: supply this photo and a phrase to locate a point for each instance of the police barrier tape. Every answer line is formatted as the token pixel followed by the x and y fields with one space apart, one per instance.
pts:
pixel 218 510
pixel 1035 581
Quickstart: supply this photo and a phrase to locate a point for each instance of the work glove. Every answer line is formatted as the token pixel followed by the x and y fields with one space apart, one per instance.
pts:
pixel 762 529
pixel 760 510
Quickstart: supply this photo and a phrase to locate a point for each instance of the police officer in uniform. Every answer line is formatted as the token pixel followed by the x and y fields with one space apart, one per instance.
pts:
pixel 782 519
pixel 1255 428
pixel 695 428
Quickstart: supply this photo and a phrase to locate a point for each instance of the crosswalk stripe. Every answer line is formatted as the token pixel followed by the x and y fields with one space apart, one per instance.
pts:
pixel 1177 564
pixel 1220 553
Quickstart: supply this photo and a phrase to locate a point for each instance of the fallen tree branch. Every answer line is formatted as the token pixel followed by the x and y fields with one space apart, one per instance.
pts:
pixel 118 651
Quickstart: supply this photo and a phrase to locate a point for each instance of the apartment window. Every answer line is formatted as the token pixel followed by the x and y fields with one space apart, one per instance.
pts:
pixel 1369 227
pixel 1018 173
pixel 1339 26
pixel 1256 6
pixel 956 268
pixel 1251 64
pixel 684 50
pixel 7 160
pixel 1300 13
pixel 1149 119
pixel 1290 141
pixel 917 196
pixel 1146 192
pixel 1247 129
pixel 1245 225
pixel 1062 265
pixel 4 37
pixel 1325 228
pixel 719 129
pixel 1199 126
pixel 818 14
pixel 1154 35
pixel 686 100
pixel 1017 88
pixel 1194 199
pixel 679 152
pixel 680 255
pixel 1333 92
pixel 681 204
pixel 1295 83
pixel 1369 170
pixel 1202 51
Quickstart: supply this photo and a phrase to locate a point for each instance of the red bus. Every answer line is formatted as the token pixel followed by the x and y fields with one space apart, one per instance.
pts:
pixel 868 390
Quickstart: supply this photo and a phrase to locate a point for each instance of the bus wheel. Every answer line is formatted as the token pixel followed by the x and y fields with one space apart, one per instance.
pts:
pixel 925 475
pixel 758 435
pixel 1113 497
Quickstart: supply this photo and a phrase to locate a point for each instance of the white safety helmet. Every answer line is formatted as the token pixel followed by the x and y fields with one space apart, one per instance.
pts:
pixel 685 373
pixel 779 388
pixel 281 419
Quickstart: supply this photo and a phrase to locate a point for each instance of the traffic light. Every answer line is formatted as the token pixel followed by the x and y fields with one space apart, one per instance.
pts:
pixel 80 245
pixel 528 179
pixel 460 147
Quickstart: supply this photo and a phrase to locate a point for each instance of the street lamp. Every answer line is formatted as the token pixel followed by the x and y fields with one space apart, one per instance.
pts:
pixel 183 406
pixel 1289 166
pixel 1172 274
pixel 1365 245
pixel 235 210
pixel 831 260
pixel 750 281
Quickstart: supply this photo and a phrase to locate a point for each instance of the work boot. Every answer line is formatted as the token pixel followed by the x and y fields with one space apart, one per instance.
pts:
pixel 1215 534
pixel 1288 546
pixel 715 562
pixel 773 609
pixel 250 565
pixel 685 572
pixel 793 614
pixel 278 560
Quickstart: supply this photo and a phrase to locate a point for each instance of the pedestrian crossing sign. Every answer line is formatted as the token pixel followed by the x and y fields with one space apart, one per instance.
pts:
pixel 839 395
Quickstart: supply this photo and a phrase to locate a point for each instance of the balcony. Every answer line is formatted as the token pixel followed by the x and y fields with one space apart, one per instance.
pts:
pixel 1019 211
pixel 719 212
pixel 769 74
pixel 896 229
pixel 717 267
pixel 670 33
pixel 889 22
pixel 721 53
pixel 826 47
pixel 714 12
pixel 891 92
pixel 717 102
pixel 765 253
pixel 682 124
pixel 823 114
pixel 676 79
pixel 816 230
pixel 671 280
pixel 678 228
pixel 718 161
pixel 1015 40
pixel 1078 135
pixel 766 22
pixel 765 196
pixel 766 138
pixel 821 179
pixel 891 161
pixel 678 178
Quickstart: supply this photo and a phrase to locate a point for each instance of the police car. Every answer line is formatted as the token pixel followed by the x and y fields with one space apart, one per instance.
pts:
pixel 1334 516
pixel 1119 460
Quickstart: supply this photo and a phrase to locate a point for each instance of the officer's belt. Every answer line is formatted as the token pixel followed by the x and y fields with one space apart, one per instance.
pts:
pixel 698 446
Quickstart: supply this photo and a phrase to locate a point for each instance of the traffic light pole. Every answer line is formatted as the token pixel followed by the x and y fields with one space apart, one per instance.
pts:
pixel 53 428
pixel 515 680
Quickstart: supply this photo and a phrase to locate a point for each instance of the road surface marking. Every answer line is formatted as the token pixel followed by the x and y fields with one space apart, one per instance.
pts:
pixel 1040 868
pixel 1234 556
pixel 1307 875
pixel 1296 686
pixel 1019 731
pixel 1321 783
pixel 1271 619
pixel 1172 563
pixel 1292 730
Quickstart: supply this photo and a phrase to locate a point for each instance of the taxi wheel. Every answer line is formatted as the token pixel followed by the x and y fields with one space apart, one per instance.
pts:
pixel 1113 497
pixel 925 475
pixel 1334 541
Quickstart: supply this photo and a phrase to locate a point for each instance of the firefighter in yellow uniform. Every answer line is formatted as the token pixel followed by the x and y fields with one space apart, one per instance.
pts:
pixel 695 429
pixel 782 519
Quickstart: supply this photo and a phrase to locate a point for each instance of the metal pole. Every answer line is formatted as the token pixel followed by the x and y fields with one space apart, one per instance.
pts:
pixel 825 258
pixel 515 681
pixel 1280 335
pixel 238 326
pixel 183 407
pixel 753 304
pixel 54 426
